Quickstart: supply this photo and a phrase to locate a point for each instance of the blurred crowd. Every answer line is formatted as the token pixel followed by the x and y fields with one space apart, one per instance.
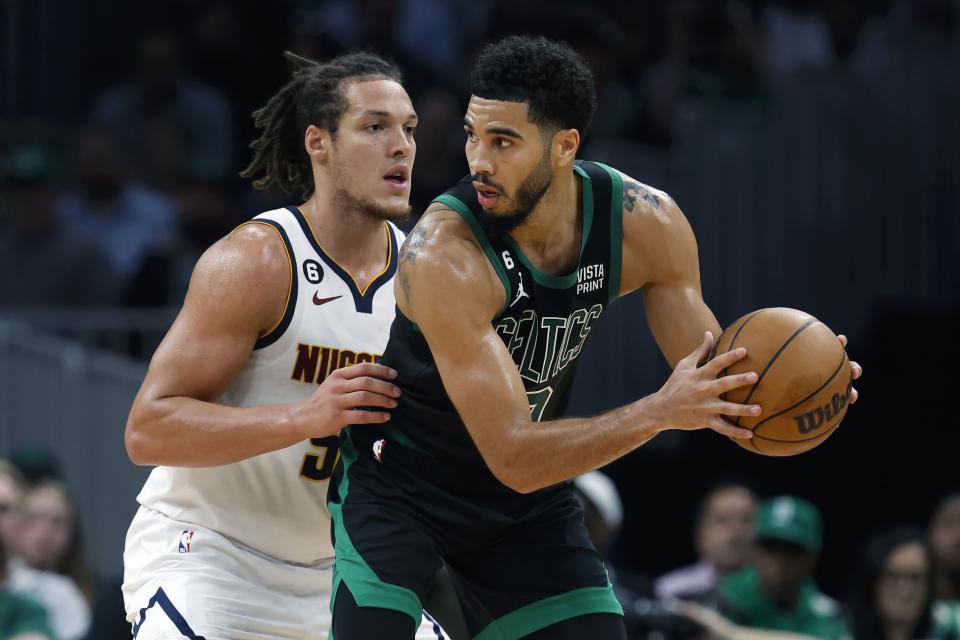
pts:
pixel 756 562
pixel 48 591
pixel 755 568
pixel 113 184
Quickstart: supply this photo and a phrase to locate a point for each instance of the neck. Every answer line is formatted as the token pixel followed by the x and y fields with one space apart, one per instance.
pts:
pixel 786 601
pixel 354 239
pixel 948 585
pixel 896 630
pixel 550 236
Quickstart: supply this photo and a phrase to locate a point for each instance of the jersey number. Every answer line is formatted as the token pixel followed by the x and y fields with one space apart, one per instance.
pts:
pixel 318 465
pixel 538 402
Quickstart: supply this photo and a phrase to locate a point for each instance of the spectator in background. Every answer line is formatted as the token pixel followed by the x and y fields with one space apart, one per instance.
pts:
pixel 893 593
pixel 124 218
pixel 944 535
pixel 205 215
pixel 724 541
pixel 50 537
pixel 778 591
pixel 603 517
pixel 713 55
pixel 52 267
pixel 20 618
pixel 160 90
pixel 64 605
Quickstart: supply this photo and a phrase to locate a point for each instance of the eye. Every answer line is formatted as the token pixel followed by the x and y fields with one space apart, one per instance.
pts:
pixel 471 136
pixel 410 130
pixel 502 142
pixel 376 126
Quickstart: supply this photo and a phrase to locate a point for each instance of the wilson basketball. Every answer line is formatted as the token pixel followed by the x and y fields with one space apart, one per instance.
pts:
pixel 803 382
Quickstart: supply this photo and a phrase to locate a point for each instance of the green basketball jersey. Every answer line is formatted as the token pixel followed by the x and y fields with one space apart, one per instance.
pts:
pixel 544 325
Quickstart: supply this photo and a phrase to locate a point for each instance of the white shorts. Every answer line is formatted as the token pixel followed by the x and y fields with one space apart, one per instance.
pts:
pixel 185 581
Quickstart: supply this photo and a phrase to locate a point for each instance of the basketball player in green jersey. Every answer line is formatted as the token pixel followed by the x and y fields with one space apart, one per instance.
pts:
pixel 497 289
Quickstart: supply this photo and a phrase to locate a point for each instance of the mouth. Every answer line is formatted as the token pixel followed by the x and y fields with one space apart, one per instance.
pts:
pixel 398 177
pixel 487 196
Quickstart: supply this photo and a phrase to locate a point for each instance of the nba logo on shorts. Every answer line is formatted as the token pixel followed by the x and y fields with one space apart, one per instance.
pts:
pixel 185 539
pixel 378 449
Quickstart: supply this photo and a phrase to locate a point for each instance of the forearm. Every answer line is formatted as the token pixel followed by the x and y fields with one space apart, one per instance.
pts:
pixel 184 432
pixel 537 455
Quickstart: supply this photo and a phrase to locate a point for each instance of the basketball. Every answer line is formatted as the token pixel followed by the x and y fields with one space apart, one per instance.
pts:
pixel 803 382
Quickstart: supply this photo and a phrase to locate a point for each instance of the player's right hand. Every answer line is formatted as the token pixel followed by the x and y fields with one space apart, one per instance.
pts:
pixel 690 398
pixel 335 404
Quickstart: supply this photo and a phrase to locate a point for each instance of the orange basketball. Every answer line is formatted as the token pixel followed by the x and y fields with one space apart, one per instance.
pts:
pixel 803 383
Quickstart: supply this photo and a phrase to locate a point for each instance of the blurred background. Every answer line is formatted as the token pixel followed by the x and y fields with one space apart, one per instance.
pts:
pixel 813 144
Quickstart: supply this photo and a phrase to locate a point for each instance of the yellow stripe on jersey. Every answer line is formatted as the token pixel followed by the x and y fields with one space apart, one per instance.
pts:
pixel 293 268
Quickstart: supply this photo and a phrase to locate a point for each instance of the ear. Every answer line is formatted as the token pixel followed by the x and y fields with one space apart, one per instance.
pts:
pixel 317 143
pixel 565 144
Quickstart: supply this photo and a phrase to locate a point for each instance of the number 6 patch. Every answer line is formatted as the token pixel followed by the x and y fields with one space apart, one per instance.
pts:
pixel 312 271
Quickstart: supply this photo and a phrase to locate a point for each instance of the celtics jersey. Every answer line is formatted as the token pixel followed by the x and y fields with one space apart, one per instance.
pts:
pixel 544 324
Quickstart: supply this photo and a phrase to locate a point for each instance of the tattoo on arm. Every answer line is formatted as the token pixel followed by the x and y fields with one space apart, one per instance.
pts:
pixel 408 253
pixel 404 281
pixel 633 191
pixel 413 244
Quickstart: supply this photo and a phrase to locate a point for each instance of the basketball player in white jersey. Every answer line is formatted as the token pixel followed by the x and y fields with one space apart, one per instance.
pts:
pixel 274 351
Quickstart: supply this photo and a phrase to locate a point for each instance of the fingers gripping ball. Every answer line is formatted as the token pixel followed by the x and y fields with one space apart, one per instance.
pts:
pixel 803 385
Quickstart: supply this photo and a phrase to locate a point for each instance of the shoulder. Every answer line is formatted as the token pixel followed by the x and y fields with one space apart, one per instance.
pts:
pixel 824 606
pixel 658 243
pixel 946 616
pixel 46 584
pixel 442 237
pixel 646 204
pixel 252 256
pixel 442 251
pixel 696 578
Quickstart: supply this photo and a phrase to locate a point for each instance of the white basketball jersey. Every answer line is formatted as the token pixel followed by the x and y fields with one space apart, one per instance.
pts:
pixel 276 502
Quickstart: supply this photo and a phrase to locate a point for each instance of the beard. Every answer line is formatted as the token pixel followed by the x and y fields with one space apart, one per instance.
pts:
pixel 529 194
pixel 347 200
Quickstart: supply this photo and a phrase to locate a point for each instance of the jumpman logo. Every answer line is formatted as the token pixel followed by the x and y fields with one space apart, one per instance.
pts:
pixel 520 292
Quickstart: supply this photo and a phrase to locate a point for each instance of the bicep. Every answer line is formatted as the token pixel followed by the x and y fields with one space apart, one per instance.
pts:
pixel 477 371
pixel 660 258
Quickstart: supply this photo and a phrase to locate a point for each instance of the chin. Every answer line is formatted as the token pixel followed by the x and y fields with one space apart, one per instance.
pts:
pixel 392 211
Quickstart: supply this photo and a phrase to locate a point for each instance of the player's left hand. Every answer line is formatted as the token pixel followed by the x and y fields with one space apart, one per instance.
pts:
pixel 855 369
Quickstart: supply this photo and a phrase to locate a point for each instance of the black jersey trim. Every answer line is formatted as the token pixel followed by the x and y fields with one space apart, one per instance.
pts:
pixel 570 279
pixel 616 230
pixel 276 331
pixel 460 207
pixel 163 603
pixel 362 299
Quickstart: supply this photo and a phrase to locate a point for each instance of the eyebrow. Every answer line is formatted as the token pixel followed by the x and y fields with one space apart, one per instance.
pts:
pixel 500 131
pixel 384 114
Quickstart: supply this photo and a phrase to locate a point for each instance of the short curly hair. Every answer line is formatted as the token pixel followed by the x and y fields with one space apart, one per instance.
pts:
pixel 553 79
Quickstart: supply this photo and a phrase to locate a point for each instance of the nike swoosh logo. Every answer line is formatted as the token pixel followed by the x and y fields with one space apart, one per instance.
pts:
pixel 319 300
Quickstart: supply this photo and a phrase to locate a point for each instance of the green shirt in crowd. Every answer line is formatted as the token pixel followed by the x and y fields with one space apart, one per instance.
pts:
pixel 22 615
pixel 815 614
pixel 945 620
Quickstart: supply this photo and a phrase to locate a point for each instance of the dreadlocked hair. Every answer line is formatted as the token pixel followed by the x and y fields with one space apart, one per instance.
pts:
pixel 313 96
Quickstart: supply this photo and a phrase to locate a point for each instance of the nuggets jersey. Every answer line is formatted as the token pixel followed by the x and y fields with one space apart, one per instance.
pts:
pixel 275 503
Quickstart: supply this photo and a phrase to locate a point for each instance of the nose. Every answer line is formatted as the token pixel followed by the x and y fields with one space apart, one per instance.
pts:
pixel 479 160
pixel 403 145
